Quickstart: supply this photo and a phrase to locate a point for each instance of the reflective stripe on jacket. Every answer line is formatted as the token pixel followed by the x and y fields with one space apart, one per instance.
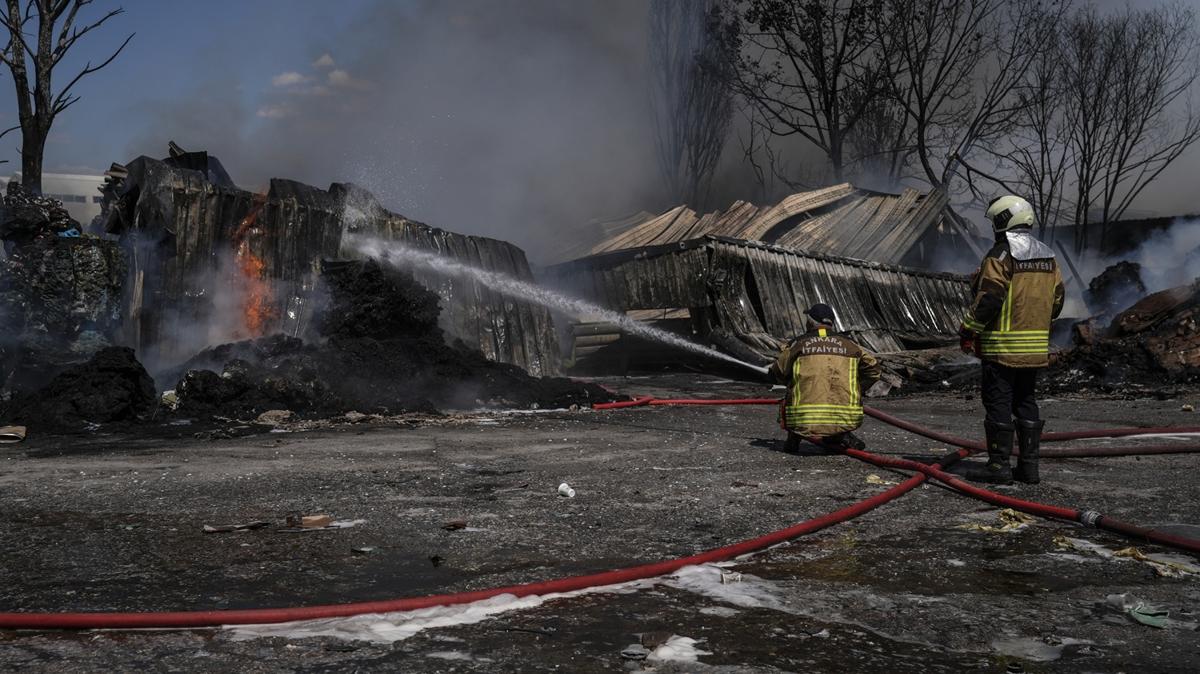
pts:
pixel 825 375
pixel 1015 301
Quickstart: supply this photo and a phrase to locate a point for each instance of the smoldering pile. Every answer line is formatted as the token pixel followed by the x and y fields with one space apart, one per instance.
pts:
pixel 379 350
pixel 1151 346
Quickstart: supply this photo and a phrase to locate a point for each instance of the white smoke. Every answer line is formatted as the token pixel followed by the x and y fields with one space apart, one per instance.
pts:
pixel 1169 257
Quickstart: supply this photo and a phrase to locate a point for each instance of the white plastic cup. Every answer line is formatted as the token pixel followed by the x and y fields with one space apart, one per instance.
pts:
pixel 565 489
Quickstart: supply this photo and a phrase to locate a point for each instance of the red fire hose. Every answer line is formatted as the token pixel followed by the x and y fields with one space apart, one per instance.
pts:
pixel 181 619
pixel 261 616
pixel 1090 518
pixel 1050 453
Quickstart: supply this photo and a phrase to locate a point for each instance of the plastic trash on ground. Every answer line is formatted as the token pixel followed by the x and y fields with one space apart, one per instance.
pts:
pixel 11 434
pixel 1009 521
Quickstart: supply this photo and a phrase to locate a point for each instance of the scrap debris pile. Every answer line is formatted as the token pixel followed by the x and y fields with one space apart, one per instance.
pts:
pixel 1132 344
pixel 60 292
pixel 1151 345
pixel 1115 288
pixel 111 386
pixel 382 352
pixel 379 351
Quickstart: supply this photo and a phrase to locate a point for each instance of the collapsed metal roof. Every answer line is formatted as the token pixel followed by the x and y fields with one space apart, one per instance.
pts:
pixel 757 292
pixel 841 220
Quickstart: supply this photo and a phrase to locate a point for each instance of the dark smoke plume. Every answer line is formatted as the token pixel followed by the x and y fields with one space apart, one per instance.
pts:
pixel 505 119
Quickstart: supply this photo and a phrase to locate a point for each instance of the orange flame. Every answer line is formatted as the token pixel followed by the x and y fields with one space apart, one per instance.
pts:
pixel 258 310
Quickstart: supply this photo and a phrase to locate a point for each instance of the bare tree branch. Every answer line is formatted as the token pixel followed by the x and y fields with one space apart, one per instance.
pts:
pixel 693 107
pixel 37 104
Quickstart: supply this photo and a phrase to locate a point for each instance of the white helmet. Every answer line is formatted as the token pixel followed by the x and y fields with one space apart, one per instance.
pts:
pixel 1009 212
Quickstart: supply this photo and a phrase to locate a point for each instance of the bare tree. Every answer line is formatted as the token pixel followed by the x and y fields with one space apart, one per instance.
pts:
pixel 882 140
pixel 957 66
pixel 1038 151
pixel 55 27
pixel 693 107
pixel 810 68
pixel 1151 119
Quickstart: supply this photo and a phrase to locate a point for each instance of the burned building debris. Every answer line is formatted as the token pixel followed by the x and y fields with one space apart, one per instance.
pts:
pixel 742 278
pixel 1114 288
pixel 911 228
pixel 192 236
pixel 750 296
pixel 381 351
pixel 60 292
pixel 1153 344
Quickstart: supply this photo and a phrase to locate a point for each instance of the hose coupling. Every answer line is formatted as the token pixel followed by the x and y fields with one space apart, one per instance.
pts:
pixel 1089 518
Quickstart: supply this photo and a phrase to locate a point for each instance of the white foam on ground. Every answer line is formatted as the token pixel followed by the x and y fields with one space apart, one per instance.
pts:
pixel 705 580
pixel 750 592
pixel 677 649
pixel 720 611
pixel 1159 436
pixel 400 625
pixel 1173 562
pixel 451 655
pixel 1034 650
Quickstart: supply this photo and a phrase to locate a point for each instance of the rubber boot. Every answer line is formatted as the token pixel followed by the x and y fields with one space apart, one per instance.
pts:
pixel 851 441
pixel 999 448
pixel 792 445
pixel 1029 439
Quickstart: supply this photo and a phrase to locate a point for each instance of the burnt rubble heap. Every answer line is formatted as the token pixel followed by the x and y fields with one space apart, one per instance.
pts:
pixel 60 292
pixel 1152 345
pixel 111 386
pixel 380 351
pixel 1114 288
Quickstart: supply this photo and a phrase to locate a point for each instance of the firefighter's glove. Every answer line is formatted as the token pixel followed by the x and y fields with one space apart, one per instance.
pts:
pixel 968 341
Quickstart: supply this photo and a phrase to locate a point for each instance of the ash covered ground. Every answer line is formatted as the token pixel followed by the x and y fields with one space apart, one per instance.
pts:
pixel 113 522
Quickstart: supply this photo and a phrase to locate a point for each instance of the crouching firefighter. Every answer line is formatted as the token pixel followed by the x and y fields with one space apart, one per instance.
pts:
pixel 1018 292
pixel 825 375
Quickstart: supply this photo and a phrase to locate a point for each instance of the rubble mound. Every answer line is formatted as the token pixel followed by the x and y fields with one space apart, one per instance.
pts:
pixel 112 386
pixel 1152 345
pixel 382 353
pixel 60 293
pixel 244 379
pixel 1115 287
pixel 30 216
pixel 366 302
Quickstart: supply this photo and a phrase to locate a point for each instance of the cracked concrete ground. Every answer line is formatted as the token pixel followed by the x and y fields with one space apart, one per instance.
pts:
pixel 114 523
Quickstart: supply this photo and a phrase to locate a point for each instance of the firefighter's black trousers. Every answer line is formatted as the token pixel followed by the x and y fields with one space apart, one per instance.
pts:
pixel 1009 392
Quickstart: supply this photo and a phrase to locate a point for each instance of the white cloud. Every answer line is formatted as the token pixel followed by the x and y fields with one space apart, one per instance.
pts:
pixel 342 78
pixel 326 61
pixel 288 79
pixel 274 111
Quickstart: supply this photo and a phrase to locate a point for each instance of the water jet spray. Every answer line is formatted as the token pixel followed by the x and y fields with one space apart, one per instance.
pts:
pixel 399 255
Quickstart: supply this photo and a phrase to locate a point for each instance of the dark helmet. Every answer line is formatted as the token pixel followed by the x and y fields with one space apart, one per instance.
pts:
pixel 821 313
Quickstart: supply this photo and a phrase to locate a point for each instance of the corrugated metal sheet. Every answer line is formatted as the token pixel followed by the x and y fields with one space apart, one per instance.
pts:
pixel 176 222
pixel 840 220
pixel 759 292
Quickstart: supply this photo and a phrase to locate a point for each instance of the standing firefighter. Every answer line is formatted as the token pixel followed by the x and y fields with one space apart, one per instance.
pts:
pixel 1018 292
pixel 825 375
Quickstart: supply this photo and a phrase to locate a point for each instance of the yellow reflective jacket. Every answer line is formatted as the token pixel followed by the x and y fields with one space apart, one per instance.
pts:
pixel 825 375
pixel 1018 292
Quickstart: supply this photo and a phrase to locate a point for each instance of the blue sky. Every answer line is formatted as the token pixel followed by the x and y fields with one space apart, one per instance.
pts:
pixel 176 43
